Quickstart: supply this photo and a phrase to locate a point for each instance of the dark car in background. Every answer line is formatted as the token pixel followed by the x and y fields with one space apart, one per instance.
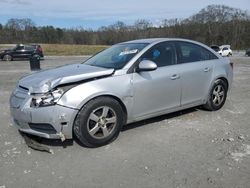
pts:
pixel 215 48
pixel 248 52
pixel 22 51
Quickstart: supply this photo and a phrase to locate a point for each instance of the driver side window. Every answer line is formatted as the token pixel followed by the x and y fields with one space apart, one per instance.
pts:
pixel 163 54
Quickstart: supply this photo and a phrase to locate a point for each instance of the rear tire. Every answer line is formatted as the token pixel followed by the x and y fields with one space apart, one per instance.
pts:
pixel 217 96
pixel 99 122
pixel 7 57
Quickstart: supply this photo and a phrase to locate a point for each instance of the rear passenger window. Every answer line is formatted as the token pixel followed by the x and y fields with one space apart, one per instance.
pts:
pixel 29 47
pixel 163 54
pixel 189 52
pixel 19 48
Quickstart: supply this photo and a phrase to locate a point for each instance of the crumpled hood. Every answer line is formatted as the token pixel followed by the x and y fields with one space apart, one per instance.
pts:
pixel 44 81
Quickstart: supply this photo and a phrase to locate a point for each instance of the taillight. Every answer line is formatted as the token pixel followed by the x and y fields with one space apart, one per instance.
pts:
pixel 231 64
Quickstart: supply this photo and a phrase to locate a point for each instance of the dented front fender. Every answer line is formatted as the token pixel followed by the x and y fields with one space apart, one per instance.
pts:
pixel 118 86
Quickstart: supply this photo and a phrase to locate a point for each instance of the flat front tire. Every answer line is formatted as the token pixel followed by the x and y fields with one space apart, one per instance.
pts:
pixel 99 122
pixel 217 96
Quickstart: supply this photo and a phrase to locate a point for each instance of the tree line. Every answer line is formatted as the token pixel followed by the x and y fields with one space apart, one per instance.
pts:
pixel 215 24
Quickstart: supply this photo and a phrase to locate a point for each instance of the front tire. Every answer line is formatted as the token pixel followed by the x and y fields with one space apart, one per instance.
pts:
pixel 99 122
pixel 217 96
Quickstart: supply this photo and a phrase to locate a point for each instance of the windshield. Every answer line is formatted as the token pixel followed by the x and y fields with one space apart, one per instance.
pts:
pixel 116 56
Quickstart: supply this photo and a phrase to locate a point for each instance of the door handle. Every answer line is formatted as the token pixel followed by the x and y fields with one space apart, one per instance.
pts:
pixel 175 76
pixel 206 69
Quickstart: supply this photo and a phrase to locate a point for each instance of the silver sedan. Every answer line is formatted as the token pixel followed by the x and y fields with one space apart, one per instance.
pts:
pixel 125 83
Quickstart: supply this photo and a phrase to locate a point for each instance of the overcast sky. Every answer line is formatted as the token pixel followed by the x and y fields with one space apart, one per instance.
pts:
pixel 96 13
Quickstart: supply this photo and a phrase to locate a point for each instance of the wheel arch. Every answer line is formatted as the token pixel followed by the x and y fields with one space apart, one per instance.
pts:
pixel 220 77
pixel 208 104
pixel 124 108
pixel 223 79
pixel 8 54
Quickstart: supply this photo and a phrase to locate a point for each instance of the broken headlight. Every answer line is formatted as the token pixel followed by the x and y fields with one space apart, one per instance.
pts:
pixel 47 99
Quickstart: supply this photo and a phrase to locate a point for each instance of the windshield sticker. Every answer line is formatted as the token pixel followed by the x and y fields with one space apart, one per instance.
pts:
pixel 128 52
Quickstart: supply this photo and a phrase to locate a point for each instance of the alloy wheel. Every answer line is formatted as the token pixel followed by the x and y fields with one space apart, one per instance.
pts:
pixel 101 122
pixel 218 95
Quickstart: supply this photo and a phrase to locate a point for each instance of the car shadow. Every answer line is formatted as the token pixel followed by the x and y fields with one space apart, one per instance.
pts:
pixel 43 144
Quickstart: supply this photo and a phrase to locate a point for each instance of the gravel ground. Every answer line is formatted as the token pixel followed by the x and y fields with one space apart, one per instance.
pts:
pixel 191 148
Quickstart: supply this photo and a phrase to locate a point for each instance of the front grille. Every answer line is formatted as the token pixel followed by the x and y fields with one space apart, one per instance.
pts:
pixel 43 127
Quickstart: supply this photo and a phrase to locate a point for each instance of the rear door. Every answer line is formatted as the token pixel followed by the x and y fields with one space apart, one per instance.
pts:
pixel 196 65
pixel 28 50
pixel 158 90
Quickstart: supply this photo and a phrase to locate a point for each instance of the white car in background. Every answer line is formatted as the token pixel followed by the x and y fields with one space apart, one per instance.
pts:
pixel 225 51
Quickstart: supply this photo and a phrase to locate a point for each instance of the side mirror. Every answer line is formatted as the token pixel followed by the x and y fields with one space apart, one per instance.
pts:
pixel 146 65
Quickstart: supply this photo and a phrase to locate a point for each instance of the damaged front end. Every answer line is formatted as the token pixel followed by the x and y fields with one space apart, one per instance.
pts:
pixel 34 104
pixel 39 114
pixel 46 99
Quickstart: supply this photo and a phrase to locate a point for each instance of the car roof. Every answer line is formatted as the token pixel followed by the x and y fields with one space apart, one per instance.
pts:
pixel 157 40
pixel 225 46
pixel 27 45
pixel 152 41
pixel 148 40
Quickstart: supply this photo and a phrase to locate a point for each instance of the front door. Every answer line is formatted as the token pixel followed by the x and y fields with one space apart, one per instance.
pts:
pixel 158 90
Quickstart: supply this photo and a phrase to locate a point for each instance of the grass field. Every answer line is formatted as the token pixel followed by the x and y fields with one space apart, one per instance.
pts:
pixel 65 49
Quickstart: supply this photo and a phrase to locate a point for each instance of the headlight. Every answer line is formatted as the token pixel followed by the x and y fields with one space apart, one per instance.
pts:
pixel 47 99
